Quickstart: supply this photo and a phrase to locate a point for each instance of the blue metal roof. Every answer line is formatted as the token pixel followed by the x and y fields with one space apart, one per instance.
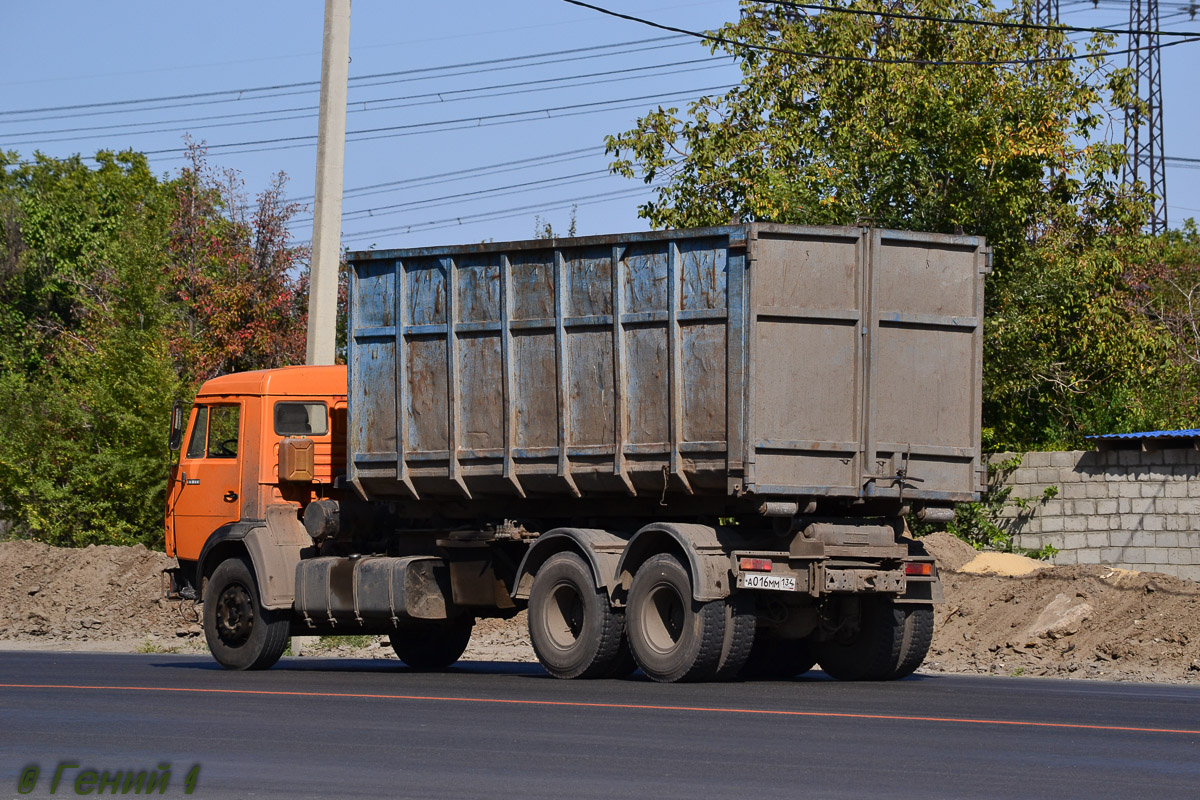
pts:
pixel 1190 433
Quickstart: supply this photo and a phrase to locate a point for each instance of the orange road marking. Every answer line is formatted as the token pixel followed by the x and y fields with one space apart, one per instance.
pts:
pixel 629 706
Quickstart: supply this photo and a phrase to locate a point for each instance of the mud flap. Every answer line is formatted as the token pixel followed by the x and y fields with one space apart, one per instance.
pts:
pixel 275 551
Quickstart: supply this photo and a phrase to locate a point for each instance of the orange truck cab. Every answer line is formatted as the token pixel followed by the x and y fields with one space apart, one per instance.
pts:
pixel 243 428
pixel 256 450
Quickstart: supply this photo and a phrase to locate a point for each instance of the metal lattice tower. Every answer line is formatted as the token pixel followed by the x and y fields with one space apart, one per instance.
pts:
pixel 1045 12
pixel 1144 128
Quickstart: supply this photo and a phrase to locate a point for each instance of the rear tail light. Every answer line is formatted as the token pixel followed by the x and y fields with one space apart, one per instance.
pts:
pixel 755 564
pixel 918 568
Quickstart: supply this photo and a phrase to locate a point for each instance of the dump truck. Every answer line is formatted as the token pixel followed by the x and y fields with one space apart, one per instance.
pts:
pixel 691 452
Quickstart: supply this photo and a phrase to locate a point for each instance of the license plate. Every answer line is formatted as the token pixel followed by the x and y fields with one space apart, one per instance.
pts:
pixel 763 580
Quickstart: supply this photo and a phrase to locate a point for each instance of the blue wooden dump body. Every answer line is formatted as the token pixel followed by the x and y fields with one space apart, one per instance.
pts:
pixel 735 364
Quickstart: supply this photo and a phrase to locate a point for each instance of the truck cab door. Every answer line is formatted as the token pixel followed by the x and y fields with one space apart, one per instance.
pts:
pixel 204 493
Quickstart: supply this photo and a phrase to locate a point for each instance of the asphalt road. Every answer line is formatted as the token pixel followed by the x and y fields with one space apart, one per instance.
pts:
pixel 352 728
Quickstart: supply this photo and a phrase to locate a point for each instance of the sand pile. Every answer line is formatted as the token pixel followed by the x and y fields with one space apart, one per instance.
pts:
pixel 1009 564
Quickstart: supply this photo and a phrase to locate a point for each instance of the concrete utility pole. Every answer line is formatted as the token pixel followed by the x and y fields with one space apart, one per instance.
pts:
pixel 327 206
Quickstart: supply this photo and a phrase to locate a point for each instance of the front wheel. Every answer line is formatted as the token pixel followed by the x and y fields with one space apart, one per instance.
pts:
pixel 673 637
pixel 241 633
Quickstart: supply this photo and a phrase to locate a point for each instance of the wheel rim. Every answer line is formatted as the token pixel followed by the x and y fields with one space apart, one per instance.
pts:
pixel 235 615
pixel 564 616
pixel 662 618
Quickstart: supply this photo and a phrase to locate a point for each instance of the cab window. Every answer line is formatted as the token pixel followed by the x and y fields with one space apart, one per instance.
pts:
pixel 215 432
pixel 301 419
pixel 195 447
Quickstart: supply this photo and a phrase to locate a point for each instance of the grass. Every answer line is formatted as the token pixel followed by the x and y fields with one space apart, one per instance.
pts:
pixel 333 642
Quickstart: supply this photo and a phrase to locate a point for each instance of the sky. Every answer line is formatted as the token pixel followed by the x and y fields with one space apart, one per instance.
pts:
pixel 470 120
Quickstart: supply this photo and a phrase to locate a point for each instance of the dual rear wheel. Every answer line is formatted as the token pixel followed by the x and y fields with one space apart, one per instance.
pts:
pixel 891 641
pixel 576 632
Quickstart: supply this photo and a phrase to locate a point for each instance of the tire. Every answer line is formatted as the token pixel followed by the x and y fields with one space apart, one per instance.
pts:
pixel 623 665
pixel 672 636
pixel 241 633
pixel 916 639
pixel 775 659
pixel 433 646
pixel 574 630
pixel 891 642
pixel 738 643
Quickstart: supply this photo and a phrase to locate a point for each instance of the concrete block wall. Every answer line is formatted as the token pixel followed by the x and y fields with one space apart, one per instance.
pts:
pixel 1132 509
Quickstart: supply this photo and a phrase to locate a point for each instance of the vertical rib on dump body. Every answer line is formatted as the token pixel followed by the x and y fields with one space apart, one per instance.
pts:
pixel 748 362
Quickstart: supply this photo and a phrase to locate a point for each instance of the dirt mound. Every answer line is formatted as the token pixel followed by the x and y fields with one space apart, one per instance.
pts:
pixel 97 593
pixel 1078 621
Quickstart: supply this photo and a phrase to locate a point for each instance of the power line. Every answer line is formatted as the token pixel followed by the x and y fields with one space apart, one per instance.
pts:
pixel 238 99
pixel 552 205
pixel 364 103
pixel 459 174
pixel 977 22
pixel 1187 163
pixel 1122 4
pixel 1183 163
pixel 872 59
pixel 490 64
pixel 477 121
pixel 380 83
pixel 288 56
pixel 478 194
pixel 534 86
pixel 446 130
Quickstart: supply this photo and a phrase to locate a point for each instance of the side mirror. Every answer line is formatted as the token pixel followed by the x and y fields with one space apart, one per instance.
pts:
pixel 177 421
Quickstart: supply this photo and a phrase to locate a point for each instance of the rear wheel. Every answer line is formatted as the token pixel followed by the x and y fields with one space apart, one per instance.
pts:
pixel 892 641
pixel 241 633
pixel 574 630
pixel 740 622
pixel 672 636
pixel 917 636
pixel 433 645
pixel 774 659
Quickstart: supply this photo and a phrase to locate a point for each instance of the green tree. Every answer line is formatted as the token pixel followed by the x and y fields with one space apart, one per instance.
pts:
pixel 1165 282
pixel 119 292
pixel 85 380
pixel 878 126
pixel 240 287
